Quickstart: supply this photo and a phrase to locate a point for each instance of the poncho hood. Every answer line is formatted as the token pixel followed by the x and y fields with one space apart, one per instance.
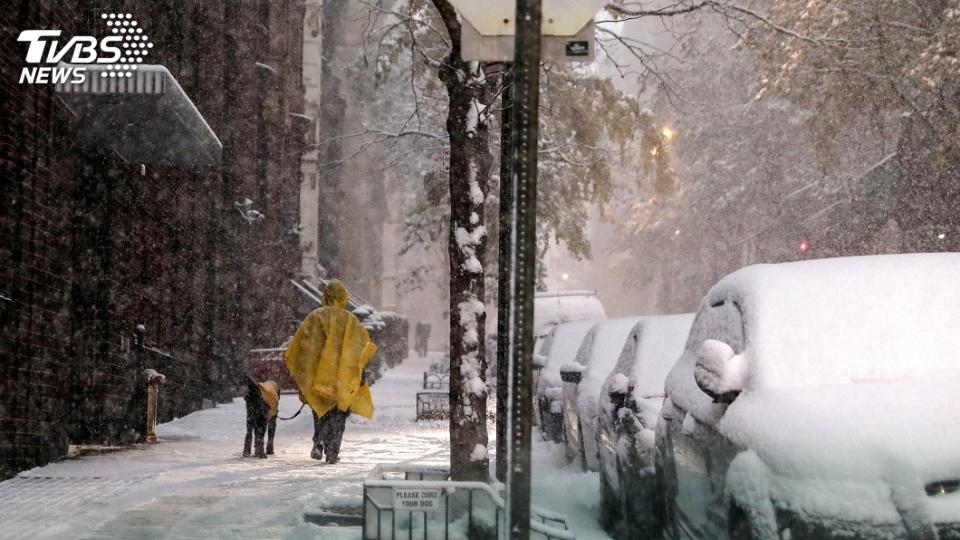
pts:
pixel 335 294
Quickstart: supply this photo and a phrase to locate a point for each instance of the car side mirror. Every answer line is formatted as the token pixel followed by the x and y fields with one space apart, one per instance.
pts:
pixel 719 372
pixel 620 390
pixel 571 373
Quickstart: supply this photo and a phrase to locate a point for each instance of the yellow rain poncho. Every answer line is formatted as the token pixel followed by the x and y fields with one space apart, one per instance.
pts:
pixel 328 354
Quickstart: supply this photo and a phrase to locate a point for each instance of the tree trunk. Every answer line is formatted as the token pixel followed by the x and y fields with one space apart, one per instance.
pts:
pixel 470 167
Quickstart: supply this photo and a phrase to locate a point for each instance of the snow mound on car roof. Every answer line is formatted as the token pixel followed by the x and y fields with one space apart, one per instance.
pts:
pixel 833 321
pixel 551 309
pixel 850 319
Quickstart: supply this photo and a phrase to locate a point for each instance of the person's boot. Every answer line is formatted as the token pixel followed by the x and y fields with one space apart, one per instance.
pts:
pixel 317 453
pixel 332 460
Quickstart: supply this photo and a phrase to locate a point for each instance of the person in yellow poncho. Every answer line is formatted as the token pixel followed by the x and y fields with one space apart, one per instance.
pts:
pixel 326 357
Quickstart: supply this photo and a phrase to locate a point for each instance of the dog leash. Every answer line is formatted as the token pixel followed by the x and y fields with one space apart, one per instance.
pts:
pixel 302 405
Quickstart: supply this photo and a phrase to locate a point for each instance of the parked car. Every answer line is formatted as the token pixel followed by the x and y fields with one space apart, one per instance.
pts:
pixel 629 403
pixel 582 380
pixel 551 309
pixel 818 400
pixel 559 348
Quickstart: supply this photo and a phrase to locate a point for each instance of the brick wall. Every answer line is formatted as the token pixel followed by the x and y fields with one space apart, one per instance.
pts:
pixel 91 247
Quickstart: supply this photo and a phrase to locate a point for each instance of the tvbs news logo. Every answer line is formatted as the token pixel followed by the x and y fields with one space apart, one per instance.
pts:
pixel 121 52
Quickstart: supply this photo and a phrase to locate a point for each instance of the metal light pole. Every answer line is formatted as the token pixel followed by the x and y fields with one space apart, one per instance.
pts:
pixel 524 120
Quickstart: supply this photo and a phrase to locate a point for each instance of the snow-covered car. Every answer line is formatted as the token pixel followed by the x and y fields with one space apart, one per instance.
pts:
pixel 582 380
pixel 553 308
pixel 559 348
pixel 629 403
pixel 818 400
pixel 558 307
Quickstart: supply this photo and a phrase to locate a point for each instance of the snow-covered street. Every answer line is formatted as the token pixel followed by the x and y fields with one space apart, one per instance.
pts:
pixel 195 484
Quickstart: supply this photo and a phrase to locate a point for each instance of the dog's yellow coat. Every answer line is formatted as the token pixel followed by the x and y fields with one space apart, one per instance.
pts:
pixel 271 395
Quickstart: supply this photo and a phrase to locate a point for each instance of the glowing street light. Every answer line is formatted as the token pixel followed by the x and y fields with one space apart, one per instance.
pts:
pixel 564 276
pixel 667 132
pixel 941 236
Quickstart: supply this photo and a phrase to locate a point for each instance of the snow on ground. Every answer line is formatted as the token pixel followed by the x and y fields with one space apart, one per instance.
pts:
pixel 195 484
pixel 565 489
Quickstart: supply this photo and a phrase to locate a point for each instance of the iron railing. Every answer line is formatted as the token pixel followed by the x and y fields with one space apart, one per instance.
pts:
pixel 436 381
pixel 473 510
pixel 433 405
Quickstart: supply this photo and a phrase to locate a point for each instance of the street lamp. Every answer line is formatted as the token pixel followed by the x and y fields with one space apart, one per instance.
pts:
pixel 667 132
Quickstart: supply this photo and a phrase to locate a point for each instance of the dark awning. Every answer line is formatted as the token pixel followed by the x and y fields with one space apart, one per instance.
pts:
pixel 146 117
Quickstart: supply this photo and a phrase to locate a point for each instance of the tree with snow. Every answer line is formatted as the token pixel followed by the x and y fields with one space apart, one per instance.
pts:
pixel 588 128
pixel 887 64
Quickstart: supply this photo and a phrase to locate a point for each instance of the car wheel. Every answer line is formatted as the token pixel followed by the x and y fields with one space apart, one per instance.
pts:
pixel 583 447
pixel 610 505
pixel 738 524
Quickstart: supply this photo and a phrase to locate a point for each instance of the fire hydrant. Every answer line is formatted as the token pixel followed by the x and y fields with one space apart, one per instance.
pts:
pixel 153 380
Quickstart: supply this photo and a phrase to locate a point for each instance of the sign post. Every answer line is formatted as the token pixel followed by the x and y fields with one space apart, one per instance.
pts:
pixel 523 155
pixel 524 32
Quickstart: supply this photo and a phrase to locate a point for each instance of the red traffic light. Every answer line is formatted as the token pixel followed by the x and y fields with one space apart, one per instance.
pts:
pixel 804 246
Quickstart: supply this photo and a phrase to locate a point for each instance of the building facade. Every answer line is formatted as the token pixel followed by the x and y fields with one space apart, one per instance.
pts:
pixel 93 245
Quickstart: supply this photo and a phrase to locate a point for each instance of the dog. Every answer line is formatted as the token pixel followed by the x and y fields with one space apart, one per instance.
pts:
pixel 263 401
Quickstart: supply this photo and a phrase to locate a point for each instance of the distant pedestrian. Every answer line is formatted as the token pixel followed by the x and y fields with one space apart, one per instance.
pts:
pixel 326 357
pixel 422 339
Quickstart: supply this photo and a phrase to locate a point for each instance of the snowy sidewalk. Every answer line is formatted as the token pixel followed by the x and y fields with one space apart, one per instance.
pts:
pixel 195 484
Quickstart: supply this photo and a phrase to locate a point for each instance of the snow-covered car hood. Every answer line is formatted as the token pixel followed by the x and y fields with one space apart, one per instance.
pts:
pixel 879 439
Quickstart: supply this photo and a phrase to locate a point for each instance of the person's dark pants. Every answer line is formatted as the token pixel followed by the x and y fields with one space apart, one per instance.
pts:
pixel 328 433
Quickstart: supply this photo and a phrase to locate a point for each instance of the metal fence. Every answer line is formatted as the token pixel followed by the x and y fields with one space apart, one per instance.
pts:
pixel 420 502
pixel 433 405
pixel 436 381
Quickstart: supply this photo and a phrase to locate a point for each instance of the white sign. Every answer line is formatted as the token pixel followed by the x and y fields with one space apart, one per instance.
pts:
pixel 560 17
pixel 578 48
pixel 416 499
